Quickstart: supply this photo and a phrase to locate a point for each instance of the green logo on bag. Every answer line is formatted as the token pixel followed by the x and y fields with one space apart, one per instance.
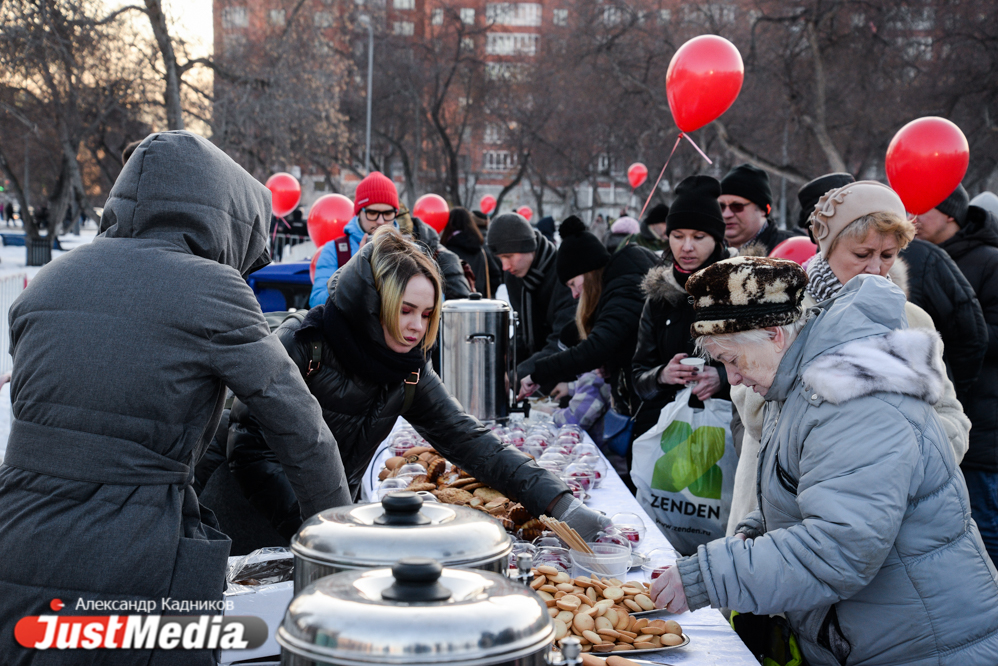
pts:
pixel 690 460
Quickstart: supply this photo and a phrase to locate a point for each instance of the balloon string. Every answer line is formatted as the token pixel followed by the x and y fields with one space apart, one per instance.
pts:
pixel 273 238
pixel 662 173
pixel 693 143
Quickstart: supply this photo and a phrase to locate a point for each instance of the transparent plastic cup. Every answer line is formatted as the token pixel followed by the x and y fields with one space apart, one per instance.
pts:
pixel 607 561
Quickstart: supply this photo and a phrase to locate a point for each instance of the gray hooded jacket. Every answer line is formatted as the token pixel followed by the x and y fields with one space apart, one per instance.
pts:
pixel 864 538
pixel 122 351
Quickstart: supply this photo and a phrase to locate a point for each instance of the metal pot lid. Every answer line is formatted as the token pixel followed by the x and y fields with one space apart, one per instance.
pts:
pixel 402 525
pixel 473 304
pixel 416 613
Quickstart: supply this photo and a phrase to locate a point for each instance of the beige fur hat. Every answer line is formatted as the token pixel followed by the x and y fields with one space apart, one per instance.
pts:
pixel 838 208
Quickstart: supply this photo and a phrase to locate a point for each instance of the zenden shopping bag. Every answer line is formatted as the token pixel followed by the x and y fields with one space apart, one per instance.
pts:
pixel 684 470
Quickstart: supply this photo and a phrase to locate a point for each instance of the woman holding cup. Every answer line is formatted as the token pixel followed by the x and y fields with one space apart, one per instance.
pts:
pixel 663 364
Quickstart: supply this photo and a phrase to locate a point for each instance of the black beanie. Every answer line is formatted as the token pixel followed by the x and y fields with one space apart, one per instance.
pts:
pixel 696 207
pixel 809 193
pixel 955 205
pixel 750 183
pixel 657 214
pixel 510 233
pixel 580 251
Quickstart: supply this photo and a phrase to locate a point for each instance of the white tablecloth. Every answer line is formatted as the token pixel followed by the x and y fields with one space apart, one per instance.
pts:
pixel 712 640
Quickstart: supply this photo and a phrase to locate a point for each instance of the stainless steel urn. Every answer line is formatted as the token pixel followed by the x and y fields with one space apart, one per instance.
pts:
pixel 476 350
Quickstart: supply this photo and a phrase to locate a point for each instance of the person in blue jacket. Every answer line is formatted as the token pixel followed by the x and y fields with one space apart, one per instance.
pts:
pixel 376 203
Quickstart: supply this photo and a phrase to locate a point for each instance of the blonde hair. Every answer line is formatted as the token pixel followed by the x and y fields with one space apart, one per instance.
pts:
pixel 592 289
pixel 883 222
pixel 394 262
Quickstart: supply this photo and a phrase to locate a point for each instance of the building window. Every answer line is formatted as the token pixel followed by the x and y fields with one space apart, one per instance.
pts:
pixel 234 44
pixel 467 44
pixel 323 19
pixel 560 17
pixel 235 17
pixel 917 48
pixel 437 17
pixel 503 71
pixel 404 28
pixel 404 4
pixel 510 13
pixel 612 16
pixel 603 163
pixel 467 16
pixel 664 16
pixel 277 17
pixel 494 134
pixel 511 44
pixel 498 160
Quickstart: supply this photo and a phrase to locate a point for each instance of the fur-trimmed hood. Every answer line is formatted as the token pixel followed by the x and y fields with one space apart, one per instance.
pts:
pixel 660 284
pixel 905 361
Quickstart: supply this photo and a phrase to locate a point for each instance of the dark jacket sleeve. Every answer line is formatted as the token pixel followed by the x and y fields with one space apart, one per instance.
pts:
pixel 256 367
pixel 561 313
pixel 464 441
pixel 613 329
pixel 960 322
pixel 648 361
pixel 455 284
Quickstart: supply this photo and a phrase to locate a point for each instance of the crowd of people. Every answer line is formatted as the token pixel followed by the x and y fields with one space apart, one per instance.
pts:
pixel 864 386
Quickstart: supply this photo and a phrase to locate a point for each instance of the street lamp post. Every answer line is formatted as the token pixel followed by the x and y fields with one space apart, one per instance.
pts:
pixel 370 75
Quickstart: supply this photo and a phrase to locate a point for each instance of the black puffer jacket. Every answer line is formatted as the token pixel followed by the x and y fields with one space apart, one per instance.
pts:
pixel 544 309
pixel 664 332
pixel 975 250
pixel 611 342
pixel 936 285
pixel 488 274
pixel 361 413
pixel 455 284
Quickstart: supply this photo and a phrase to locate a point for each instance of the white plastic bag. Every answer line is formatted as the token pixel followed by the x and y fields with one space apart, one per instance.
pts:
pixel 684 470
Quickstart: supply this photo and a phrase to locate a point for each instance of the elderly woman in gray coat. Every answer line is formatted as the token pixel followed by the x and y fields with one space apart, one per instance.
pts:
pixel 864 538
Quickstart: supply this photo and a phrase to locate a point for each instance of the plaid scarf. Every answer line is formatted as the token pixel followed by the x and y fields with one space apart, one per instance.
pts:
pixel 822 283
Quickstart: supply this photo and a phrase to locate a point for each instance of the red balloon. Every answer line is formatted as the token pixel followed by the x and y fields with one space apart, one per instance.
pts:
pixel 703 81
pixel 487 204
pixel 328 216
pixel 798 248
pixel 526 212
pixel 285 193
pixel 925 162
pixel 637 174
pixel 311 265
pixel 432 209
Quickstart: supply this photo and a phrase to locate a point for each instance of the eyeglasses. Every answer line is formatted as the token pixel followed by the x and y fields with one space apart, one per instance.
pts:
pixel 373 215
pixel 735 207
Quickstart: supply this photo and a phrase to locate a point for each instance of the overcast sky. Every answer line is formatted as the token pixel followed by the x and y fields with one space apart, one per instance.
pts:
pixel 188 19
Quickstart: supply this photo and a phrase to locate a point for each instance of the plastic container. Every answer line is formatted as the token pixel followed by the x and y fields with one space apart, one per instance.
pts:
pixel 608 560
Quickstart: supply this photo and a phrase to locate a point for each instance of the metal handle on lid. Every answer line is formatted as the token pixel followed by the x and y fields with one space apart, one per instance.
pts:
pixel 416 580
pixel 402 508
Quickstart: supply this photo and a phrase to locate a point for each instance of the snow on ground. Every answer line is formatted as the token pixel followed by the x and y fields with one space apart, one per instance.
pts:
pixel 13 260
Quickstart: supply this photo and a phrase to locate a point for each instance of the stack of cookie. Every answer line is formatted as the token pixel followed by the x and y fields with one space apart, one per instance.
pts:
pixel 455 486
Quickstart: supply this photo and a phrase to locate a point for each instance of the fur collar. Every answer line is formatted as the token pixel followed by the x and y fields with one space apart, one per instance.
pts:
pixel 906 361
pixel 659 284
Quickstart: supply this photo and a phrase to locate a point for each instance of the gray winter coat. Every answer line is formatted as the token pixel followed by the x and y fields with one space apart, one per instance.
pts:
pixel 122 351
pixel 864 539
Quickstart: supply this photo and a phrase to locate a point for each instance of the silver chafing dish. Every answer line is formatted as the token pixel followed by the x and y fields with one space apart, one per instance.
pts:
pixel 368 536
pixel 416 613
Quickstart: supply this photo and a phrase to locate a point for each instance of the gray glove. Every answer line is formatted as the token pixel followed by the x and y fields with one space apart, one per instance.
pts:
pixel 580 517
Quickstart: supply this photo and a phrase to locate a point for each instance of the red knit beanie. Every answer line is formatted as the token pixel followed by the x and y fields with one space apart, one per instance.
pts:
pixel 376 188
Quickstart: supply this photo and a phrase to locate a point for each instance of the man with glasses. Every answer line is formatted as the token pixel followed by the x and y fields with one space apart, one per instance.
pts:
pixel 746 202
pixel 376 203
